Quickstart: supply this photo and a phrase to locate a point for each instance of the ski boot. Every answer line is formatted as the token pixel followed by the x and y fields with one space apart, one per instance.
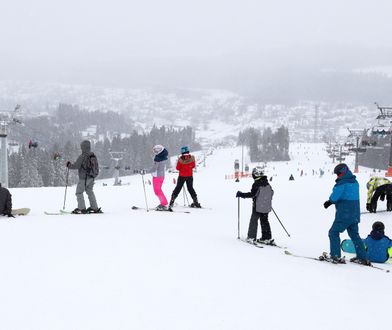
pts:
pixel 251 240
pixel 79 211
pixel 195 204
pixel 334 259
pixel 161 207
pixel 91 210
pixel 364 262
pixel 270 241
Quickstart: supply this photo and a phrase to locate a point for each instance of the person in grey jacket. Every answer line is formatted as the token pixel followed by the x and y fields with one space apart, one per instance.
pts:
pixel 5 202
pixel 86 181
pixel 158 175
pixel 261 193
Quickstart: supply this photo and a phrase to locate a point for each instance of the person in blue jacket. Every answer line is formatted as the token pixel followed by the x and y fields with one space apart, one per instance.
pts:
pixel 345 196
pixel 378 244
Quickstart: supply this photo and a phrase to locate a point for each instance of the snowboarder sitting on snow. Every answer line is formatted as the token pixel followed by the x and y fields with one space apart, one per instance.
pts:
pixel 377 188
pixel 5 202
pixel 87 166
pixel 185 165
pixel 345 196
pixel 378 244
pixel 261 193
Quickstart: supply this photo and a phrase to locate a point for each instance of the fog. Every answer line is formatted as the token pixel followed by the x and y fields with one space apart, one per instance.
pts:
pixel 191 43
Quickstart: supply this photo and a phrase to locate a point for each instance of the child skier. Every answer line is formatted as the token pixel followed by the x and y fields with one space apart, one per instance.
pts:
pixel 261 193
pixel 5 202
pixel 158 175
pixel 185 165
pixel 378 244
pixel 345 196
pixel 87 166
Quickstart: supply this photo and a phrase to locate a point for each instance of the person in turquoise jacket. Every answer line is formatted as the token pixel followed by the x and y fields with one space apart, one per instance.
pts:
pixel 378 244
pixel 345 196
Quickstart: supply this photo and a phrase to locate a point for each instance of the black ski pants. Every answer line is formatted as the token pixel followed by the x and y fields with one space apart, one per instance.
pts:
pixel 265 226
pixel 189 184
pixel 385 189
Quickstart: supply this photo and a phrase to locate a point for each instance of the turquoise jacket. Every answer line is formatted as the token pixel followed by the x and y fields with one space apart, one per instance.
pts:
pixel 345 196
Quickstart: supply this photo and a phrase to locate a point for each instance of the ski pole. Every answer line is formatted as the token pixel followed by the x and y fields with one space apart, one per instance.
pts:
pixel 280 222
pixel 185 196
pixel 66 186
pixel 144 188
pixel 238 229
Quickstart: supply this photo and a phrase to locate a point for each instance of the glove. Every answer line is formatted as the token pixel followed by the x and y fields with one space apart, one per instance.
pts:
pixel 239 194
pixel 368 207
pixel 68 163
pixel 327 204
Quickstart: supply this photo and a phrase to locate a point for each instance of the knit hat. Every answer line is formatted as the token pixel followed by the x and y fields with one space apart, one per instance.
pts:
pixel 184 150
pixel 157 149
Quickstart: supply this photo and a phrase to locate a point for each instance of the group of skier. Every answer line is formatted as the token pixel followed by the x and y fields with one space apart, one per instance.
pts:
pixel 345 196
pixel 88 169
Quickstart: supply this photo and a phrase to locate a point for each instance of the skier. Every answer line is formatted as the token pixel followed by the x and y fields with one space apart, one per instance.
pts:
pixel 261 193
pixel 345 196
pixel 87 166
pixel 158 175
pixel 185 165
pixel 377 188
pixel 5 202
pixel 378 244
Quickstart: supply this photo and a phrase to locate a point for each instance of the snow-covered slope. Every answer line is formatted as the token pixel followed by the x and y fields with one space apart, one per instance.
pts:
pixel 136 270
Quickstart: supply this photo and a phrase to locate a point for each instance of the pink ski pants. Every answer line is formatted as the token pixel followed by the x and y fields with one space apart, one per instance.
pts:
pixel 157 184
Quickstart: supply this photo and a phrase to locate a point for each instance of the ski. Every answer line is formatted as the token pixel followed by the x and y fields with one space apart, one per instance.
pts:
pixel 371 266
pixel 367 212
pixel 53 213
pixel 288 253
pixel 253 244
pixel 70 212
pixel 135 208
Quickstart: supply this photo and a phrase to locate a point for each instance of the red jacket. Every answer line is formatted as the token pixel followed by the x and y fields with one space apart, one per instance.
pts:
pixel 185 165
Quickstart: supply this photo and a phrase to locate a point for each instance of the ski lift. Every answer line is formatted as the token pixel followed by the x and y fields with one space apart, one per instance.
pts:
pixel 349 144
pixel 127 168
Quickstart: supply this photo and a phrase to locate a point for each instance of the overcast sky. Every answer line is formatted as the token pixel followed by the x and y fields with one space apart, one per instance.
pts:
pixel 55 33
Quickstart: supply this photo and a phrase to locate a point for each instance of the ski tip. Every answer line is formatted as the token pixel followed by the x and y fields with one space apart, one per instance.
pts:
pixel 287 252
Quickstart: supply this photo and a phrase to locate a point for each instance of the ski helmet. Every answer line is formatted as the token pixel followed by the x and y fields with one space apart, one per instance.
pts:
pixel 340 169
pixel 257 172
pixel 184 150
pixel 157 149
pixel 378 226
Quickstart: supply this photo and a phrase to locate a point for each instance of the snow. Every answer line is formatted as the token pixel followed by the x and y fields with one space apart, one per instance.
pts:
pixel 136 270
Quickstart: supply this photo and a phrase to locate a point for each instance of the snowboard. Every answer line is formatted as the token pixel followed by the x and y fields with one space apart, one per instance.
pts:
pixel 22 211
pixel 347 246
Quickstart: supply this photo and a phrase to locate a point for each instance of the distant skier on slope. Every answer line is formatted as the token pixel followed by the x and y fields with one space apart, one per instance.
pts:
pixel 158 175
pixel 378 188
pixel 261 193
pixel 345 196
pixel 87 166
pixel 5 202
pixel 185 165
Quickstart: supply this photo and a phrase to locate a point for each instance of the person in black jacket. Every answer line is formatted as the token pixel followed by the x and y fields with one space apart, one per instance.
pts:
pixel 5 202
pixel 260 180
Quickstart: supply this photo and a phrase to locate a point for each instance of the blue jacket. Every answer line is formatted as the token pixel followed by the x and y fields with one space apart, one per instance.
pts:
pixel 377 246
pixel 345 196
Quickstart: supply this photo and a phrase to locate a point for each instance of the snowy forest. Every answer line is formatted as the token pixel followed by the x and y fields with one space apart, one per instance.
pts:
pixel 266 145
pixel 57 140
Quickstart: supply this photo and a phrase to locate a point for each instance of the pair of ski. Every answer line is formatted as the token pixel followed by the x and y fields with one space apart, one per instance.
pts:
pixel 137 208
pixel 325 258
pixel 64 212
pixel 260 244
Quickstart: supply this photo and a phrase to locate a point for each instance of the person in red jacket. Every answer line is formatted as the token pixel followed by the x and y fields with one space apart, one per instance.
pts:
pixel 185 165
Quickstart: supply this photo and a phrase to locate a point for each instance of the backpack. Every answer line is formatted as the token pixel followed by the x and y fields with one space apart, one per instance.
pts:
pixel 264 199
pixel 91 166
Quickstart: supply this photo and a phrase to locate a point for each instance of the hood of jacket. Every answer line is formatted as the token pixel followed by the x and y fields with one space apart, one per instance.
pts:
pixel 262 181
pixel 161 156
pixel 85 146
pixel 348 177
pixel 186 159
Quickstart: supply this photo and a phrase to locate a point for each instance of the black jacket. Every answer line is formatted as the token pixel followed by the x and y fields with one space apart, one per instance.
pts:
pixel 5 201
